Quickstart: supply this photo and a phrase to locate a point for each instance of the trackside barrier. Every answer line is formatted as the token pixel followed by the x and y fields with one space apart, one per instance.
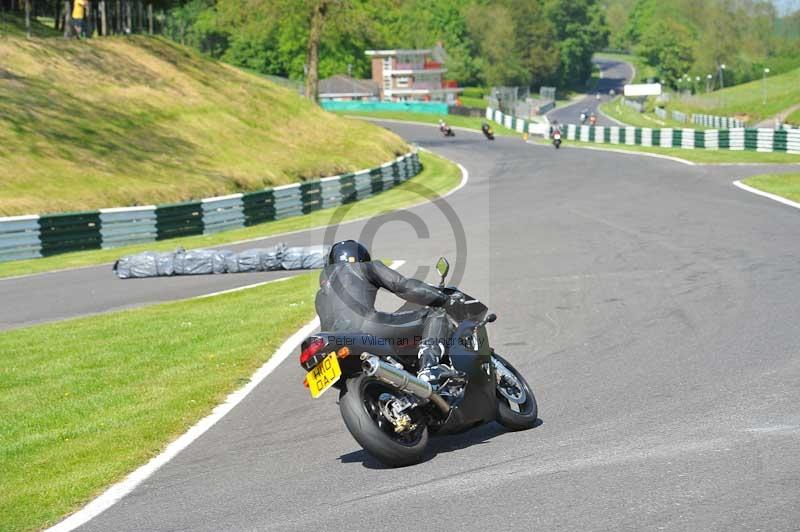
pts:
pixel 19 238
pixel 763 139
pixel 718 122
pixel 127 225
pixel 26 237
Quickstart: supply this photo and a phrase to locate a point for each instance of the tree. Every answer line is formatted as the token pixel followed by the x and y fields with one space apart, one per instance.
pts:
pixel 318 11
pixel 580 30
pixel 666 46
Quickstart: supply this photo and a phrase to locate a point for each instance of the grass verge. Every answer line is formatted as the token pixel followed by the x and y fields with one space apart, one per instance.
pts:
pixel 785 185
pixel 438 176
pixel 86 401
pixel 698 156
pixel 747 100
pixel 428 118
pixel 138 120
pixel 618 111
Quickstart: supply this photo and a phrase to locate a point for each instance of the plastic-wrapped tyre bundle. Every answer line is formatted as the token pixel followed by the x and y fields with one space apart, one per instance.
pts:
pixel 314 257
pixel 219 262
pixel 208 261
pixel 147 264
pixel 304 258
pixel 270 259
pixel 249 260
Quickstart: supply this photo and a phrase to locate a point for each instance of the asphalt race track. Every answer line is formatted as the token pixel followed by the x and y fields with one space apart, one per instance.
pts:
pixel 652 306
pixel 615 75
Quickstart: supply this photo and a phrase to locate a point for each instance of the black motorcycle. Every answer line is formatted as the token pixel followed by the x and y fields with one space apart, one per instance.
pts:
pixel 487 131
pixel 446 130
pixel 390 412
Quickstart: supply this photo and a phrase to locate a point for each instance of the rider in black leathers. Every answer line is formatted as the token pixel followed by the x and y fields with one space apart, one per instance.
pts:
pixel 346 302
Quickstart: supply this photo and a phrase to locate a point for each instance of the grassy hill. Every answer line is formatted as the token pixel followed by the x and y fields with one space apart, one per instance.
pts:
pixel 138 120
pixel 746 100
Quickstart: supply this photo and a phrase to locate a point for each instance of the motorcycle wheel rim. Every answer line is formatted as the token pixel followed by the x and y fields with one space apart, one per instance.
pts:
pixel 371 391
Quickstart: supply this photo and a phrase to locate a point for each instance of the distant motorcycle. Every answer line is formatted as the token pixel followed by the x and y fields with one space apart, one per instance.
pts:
pixel 446 130
pixel 557 138
pixel 487 131
pixel 584 117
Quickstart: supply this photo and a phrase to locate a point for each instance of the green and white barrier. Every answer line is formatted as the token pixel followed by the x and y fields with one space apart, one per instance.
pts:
pixel 517 124
pixel 25 237
pixel 762 140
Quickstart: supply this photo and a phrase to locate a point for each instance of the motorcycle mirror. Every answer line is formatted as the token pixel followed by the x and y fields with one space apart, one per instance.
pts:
pixel 491 318
pixel 442 266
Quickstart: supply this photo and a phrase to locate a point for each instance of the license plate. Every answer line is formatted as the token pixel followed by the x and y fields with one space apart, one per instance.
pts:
pixel 324 375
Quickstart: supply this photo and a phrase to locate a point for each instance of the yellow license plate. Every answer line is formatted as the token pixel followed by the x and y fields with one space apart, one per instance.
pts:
pixel 324 375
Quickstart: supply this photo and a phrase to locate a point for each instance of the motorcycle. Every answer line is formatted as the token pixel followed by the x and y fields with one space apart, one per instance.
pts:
pixel 557 138
pixel 584 117
pixel 487 131
pixel 446 130
pixel 390 411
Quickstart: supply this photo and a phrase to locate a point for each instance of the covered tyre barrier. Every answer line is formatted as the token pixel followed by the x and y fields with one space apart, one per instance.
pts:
pixel 214 261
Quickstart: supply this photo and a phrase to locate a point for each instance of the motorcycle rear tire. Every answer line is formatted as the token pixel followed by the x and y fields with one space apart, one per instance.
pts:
pixel 529 411
pixel 363 427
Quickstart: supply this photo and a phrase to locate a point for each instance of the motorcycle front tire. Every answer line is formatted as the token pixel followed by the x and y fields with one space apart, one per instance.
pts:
pixel 363 427
pixel 528 412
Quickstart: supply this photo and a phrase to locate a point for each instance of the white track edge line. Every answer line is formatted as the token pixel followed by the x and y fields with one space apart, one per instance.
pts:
pixel 245 287
pixel 774 197
pixel 119 490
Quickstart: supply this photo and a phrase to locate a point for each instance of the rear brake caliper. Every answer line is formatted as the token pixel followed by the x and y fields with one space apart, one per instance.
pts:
pixel 394 409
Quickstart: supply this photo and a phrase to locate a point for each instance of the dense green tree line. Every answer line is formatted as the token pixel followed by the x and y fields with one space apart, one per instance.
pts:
pixel 500 42
pixel 680 37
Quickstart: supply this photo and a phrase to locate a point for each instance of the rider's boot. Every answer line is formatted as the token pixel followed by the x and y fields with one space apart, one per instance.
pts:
pixel 431 370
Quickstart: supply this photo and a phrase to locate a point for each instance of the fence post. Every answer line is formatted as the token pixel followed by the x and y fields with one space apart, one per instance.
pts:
pixel 103 18
pixel 67 19
pixel 150 18
pixel 28 18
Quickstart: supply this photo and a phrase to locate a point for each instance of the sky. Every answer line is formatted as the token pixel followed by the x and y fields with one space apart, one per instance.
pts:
pixel 786 6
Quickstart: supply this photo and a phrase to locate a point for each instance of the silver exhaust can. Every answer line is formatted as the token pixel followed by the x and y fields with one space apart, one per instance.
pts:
pixel 401 379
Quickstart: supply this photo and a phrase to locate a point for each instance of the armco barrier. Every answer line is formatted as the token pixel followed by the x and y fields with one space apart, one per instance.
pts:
pixel 127 225
pixel 19 238
pixel 719 122
pixel 679 116
pixel 763 140
pixel 25 237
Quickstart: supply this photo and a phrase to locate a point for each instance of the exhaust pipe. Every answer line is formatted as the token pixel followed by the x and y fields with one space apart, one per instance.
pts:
pixel 402 380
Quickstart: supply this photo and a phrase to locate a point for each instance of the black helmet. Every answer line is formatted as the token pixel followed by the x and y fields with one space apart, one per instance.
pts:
pixel 348 251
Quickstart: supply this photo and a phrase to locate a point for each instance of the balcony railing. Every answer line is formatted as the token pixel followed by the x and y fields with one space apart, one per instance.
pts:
pixel 408 66
pixel 427 65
